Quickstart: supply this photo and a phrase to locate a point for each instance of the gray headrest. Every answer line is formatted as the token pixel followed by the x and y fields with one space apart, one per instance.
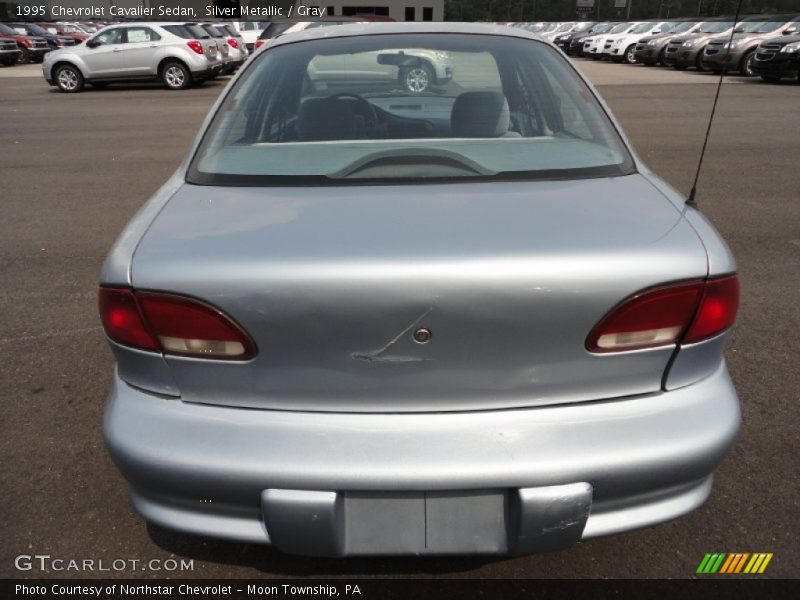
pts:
pixel 480 114
pixel 322 119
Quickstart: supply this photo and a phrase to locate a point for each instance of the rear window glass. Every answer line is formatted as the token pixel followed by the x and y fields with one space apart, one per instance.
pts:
pixel 186 32
pixel 408 107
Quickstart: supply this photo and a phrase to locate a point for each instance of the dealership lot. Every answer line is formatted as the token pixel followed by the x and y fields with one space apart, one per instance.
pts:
pixel 76 167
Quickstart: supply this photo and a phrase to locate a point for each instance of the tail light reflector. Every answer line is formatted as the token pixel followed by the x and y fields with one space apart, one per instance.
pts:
pixel 172 324
pixel 680 313
pixel 259 43
pixel 233 43
pixel 195 45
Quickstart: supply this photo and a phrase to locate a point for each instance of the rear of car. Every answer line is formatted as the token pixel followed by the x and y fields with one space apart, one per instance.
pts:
pixel 361 320
pixel 229 63
pixel 237 46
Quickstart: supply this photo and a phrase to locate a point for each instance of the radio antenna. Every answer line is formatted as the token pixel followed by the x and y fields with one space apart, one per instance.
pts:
pixel 691 199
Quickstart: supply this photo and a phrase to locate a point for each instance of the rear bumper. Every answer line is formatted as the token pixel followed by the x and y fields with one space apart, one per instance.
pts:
pixel 332 484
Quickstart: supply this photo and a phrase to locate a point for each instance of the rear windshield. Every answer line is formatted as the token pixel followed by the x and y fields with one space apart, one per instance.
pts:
pixel 187 32
pixel 405 108
pixel 211 29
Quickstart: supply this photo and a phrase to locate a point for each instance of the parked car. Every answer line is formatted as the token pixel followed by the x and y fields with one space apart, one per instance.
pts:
pixel 32 29
pixel 70 30
pixel 593 46
pixel 172 53
pixel 686 51
pixel 366 321
pixel 777 58
pixel 577 42
pixel 236 44
pixel 229 63
pixel 31 47
pixel 9 52
pixel 250 30
pixel 650 49
pixel 737 54
pixel 622 47
pixel 562 40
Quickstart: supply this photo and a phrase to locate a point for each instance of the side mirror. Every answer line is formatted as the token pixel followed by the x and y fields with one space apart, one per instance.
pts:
pixel 738 30
pixel 790 31
pixel 656 31
pixel 92 43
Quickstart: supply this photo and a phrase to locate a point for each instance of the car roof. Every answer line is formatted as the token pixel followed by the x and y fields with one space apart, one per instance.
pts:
pixel 378 28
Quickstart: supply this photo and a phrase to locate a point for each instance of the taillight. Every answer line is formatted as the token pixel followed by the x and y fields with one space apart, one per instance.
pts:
pixel 195 45
pixel 233 43
pixel 172 324
pixel 259 43
pixel 122 319
pixel 717 310
pixel 679 313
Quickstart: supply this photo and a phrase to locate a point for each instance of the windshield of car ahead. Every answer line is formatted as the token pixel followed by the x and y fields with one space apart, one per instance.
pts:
pixel 760 26
pixel 715 27
pixel 7 30
pixel 405 108
pixel 602 28
pixel 683 27
pixel 620 28
pixel 580 27
pixel 642 27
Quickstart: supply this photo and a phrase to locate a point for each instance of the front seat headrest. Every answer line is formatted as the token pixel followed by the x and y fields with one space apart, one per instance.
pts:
pixel 480 114
pixel 325 119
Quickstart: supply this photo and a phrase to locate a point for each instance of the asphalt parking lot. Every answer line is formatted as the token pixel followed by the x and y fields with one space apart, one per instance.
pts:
pixel 75 168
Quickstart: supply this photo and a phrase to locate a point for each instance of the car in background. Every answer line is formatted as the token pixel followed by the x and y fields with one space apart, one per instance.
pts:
pixel 563 40
pixel 594 46
pixel 175 54
pixel 622 47
pixel 777 58
pixel 686 51
pixel 71 30
pixel 250 30
pixel 229 63
pixel 236 44
pixel 362 321
pixel 578 40
pixel 9 51
pixel 737 53
pixel 650 49
pixel 559 29
pixel 32 48
pixel 53 40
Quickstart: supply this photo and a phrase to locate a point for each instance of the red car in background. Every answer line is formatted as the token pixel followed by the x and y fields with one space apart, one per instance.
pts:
pixel 31 47
pixel 67 29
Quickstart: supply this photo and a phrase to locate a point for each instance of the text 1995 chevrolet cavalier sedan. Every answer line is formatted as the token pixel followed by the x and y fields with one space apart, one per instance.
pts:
pixel 364 320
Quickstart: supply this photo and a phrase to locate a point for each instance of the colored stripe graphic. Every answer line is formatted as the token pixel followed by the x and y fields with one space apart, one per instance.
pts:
pixel 735 562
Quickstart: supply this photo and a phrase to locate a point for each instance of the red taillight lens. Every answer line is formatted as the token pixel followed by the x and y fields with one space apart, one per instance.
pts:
pixel 195 45
pixel 680 313
pixel 174 325
pixel 717 310
pixel 233 43
pixel 259 43
pixel 122 319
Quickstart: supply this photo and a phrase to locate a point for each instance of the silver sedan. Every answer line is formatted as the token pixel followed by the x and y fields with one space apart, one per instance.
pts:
pixel 364 320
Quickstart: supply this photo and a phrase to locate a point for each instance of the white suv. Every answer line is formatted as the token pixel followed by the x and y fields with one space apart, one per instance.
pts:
pixel 174 53
pixel 623 45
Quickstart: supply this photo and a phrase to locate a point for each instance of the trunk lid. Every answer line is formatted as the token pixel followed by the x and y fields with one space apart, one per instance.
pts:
pixel 332 282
